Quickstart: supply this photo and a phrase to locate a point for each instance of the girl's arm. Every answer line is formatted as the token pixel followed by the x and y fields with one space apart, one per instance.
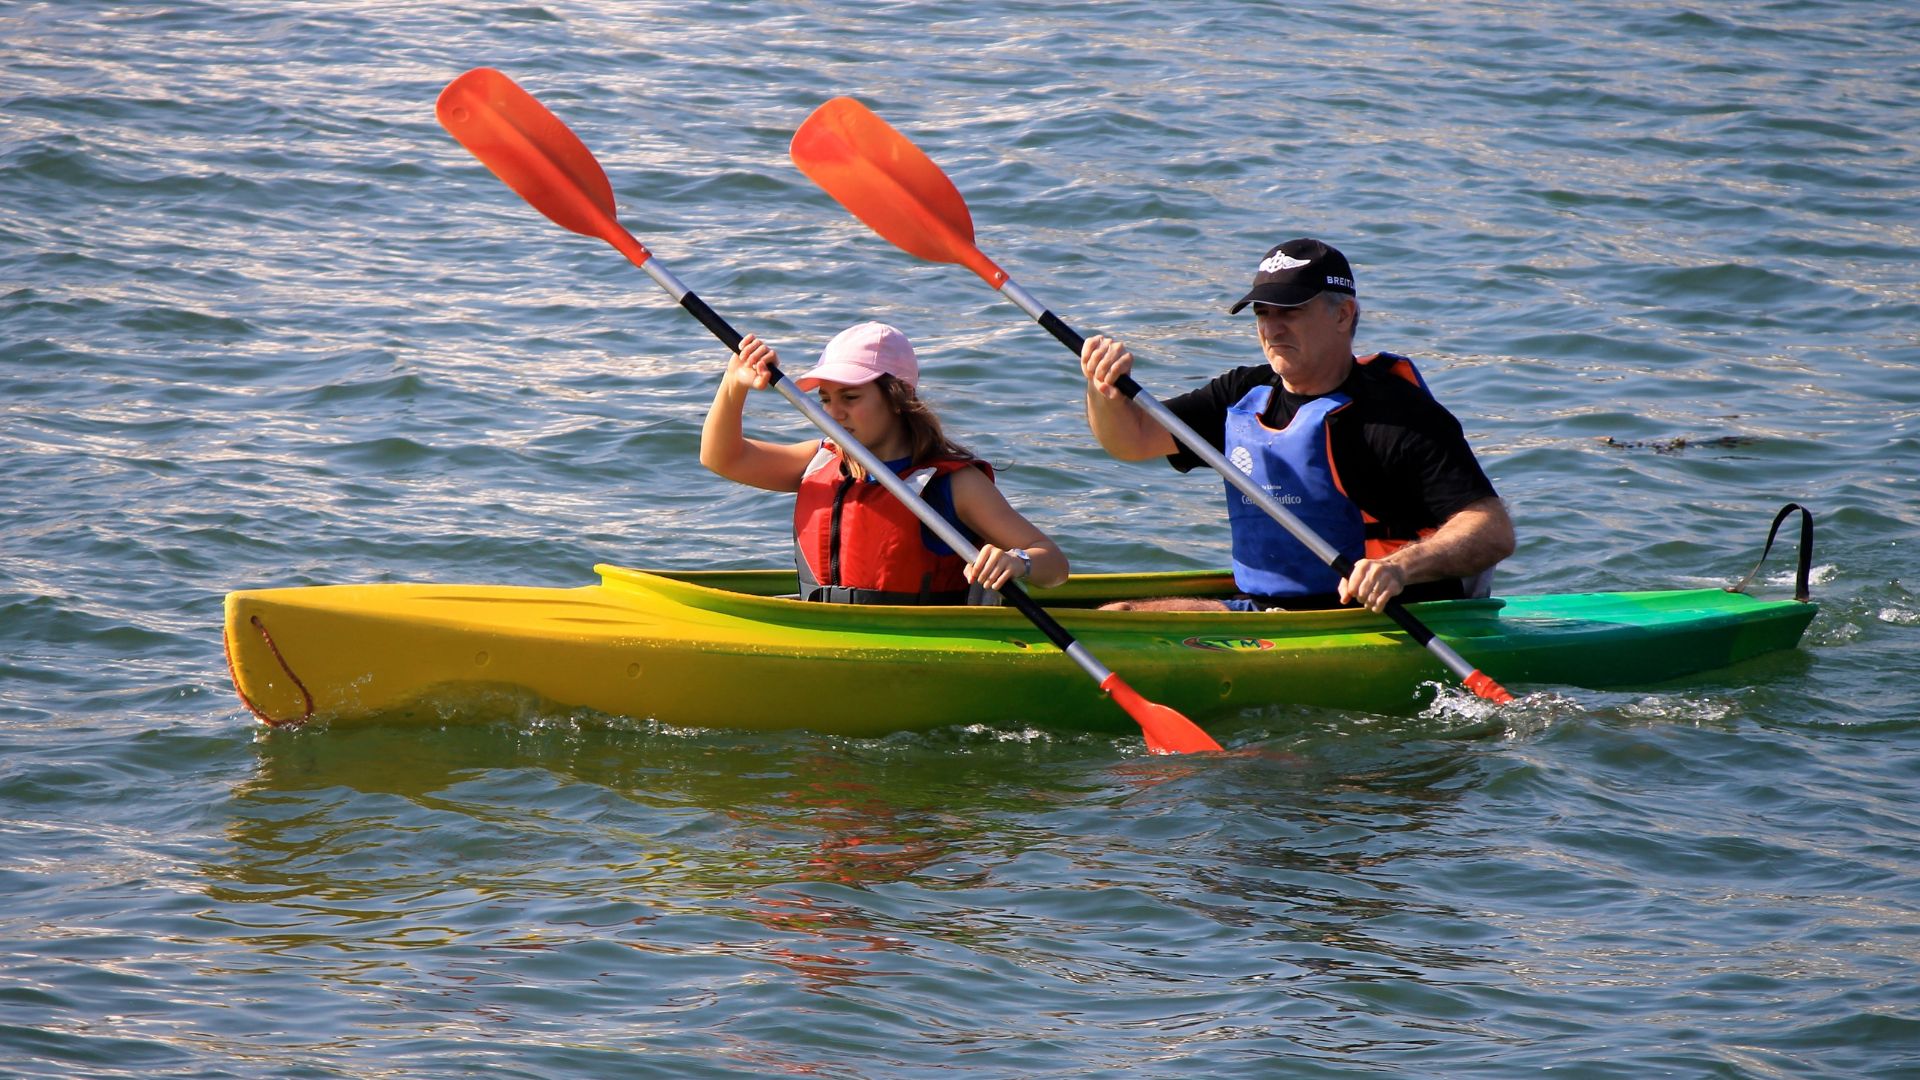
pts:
pixel 726 450
pixel 982 508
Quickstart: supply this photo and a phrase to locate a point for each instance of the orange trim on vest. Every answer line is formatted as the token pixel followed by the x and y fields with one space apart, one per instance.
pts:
pixel 1397 365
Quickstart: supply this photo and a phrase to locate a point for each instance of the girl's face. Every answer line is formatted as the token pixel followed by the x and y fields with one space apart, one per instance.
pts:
pixel 863 410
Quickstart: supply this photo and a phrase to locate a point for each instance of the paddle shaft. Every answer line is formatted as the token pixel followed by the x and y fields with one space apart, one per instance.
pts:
pixel 1191 439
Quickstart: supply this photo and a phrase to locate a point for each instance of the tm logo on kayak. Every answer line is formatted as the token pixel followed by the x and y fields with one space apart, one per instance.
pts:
pixel 1228 644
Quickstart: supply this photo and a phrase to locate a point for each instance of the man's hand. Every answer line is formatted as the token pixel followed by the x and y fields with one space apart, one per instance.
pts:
pixel 1104 361
pixel 1373 583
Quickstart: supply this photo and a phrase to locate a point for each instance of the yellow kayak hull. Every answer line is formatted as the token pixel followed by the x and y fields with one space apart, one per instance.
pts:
pixel 723 649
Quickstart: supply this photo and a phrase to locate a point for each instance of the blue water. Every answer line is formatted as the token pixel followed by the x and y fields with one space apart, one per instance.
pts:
pixel 264 323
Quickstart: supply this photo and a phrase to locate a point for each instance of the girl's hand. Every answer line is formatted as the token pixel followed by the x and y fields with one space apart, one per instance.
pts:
pixel 995 567
pixel 753 365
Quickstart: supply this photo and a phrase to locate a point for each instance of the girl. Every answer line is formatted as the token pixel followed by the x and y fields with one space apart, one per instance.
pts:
pixel 854 542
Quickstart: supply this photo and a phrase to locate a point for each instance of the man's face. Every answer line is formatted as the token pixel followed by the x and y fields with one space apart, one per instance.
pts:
pixel 1302 343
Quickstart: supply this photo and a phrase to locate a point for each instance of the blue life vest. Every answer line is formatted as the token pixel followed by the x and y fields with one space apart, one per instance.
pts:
pixel 1295 466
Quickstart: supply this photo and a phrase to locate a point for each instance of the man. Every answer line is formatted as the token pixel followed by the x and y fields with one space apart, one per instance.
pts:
pixel 1355 448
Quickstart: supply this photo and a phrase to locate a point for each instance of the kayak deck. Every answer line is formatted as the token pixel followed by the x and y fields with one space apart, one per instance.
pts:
pixel 725 649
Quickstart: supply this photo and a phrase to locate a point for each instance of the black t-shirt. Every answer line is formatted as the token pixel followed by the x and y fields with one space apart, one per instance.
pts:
pixel 1402 456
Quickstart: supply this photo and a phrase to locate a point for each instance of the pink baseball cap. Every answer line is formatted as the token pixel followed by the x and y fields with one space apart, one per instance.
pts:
pixel 860 354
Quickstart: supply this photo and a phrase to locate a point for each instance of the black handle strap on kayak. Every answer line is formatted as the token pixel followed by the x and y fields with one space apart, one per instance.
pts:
pixel 1800 590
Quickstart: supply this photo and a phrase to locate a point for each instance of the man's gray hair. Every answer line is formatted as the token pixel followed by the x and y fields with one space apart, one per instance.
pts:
pixel 1332 298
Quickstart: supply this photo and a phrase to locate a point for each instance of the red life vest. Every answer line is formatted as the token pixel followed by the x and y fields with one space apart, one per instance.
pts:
pixel 854 543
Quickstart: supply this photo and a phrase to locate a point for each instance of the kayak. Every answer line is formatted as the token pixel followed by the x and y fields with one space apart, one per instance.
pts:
pixel 726 649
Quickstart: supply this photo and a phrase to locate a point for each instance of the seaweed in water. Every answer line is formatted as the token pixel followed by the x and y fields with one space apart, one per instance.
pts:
pixel 1677 444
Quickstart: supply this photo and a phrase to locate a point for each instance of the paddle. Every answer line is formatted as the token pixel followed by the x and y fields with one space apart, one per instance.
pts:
pixel 886 181
pixel 541 159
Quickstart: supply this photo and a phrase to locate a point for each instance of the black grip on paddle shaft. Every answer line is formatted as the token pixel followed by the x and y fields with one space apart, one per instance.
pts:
pixel 711 319
pixel 1062 331
pixel 1415 629
pixel 1395 610
pixel 1073 341
pixel 1017 598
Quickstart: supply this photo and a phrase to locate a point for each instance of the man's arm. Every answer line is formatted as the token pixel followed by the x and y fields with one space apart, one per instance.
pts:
pixel 1475 538
pixel 1122 428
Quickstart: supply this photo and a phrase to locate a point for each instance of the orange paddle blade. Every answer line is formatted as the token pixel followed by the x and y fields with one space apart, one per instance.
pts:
pixel 1166 730
pixel 536 154
pixel 887 182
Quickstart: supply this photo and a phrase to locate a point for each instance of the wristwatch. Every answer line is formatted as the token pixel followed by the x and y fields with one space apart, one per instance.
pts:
pixel 1021 554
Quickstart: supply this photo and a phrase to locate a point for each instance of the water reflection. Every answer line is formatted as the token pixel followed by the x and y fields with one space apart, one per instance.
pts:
pixel 504 855
pixel 604 827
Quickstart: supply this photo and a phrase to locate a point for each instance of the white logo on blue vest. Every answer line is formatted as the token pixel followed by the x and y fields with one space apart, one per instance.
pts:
pixel 1242 460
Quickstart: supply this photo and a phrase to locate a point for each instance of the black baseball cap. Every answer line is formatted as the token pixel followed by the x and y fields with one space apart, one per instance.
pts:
pixel 1297 271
